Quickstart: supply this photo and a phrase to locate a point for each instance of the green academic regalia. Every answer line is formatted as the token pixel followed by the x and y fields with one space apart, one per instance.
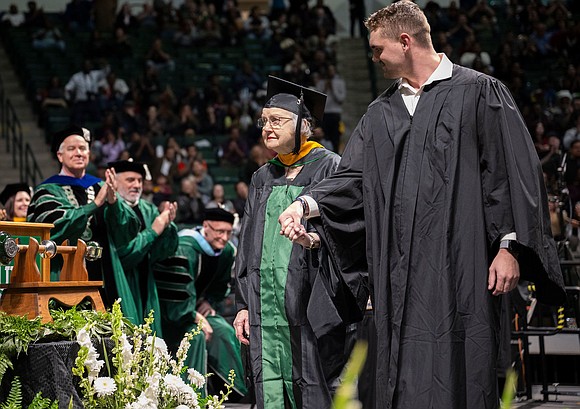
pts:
pixel 190 275
pixel 68 203
pixel 135 247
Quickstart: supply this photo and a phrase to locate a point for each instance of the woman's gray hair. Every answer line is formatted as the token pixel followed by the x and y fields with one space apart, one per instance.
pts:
pixel 306 128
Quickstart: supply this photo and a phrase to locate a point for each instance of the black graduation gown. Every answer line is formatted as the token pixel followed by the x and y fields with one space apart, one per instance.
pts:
pixel 276 281
pixel 436 192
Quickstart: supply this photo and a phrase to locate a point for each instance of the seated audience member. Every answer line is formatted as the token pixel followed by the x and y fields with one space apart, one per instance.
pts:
pixel 15 198
pixel 218 199
pixel 190 206
pixel 192 284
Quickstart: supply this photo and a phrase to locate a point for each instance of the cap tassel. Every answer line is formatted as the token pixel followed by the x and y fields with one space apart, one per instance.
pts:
pixel 297 135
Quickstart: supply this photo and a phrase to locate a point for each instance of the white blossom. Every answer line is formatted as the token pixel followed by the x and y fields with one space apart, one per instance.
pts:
pixel 105 386
pixel 160 347
pixel 195 378
pixel 126 350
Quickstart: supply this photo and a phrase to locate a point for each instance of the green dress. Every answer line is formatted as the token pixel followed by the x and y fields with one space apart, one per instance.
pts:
pixel 135 247
pixel 197 272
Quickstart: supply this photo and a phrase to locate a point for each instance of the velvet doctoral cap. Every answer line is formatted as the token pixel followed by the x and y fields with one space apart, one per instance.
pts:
pixel 304 102
pixel 11 190
pixel 60 136
pixel 121 166
pixel 219 215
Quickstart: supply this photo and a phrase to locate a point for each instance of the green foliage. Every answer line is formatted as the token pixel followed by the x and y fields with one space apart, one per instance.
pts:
pixel 345 397
pixel 14 400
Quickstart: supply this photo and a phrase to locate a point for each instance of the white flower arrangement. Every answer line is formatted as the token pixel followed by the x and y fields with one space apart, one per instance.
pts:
pixel 142 374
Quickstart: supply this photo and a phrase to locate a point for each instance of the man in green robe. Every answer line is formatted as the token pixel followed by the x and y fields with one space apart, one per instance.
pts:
pixel 73 201
pixel 191 287
pixel 140 236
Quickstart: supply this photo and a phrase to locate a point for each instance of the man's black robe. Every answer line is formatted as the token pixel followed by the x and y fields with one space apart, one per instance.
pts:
pixel 436 192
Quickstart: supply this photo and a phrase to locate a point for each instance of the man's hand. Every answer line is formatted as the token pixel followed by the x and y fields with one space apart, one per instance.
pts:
pixel 205 309
pixel 504 273
pixel 290 221
pixel 242 327
pixel 111 182
pixel 102 195
pixel 205 326
pixel 167 215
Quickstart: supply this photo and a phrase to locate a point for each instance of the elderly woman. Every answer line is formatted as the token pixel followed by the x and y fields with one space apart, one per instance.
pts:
pixel 15 197
pixel 295 355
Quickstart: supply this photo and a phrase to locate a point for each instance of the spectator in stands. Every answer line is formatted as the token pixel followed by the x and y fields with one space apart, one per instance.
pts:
pixel 572 134
pixel 218 199
pixel 166 165
pixel 78 15
pixel 332 84
pixel 241 197
pixel 203 179
pixel 256 159
pixel 82 92
pixel 140 235
pixel 257 26
pixel 187 120
pixel 562 112
pixel 74 201
pixel 125 18
pixel 52 95
pixel 234 149
pixel 357 17
pixel 157 58
pixel 153 125
pixel 149 87
pixel 14 17
pixel 120 47
pixel 246 78
pixel 48 37
pixel 162 190
pixel 209 257
pixel 15 197
pixel 141 148
pixel 147 17
pixel 190 205
pixel 112 147
pixel 321 17
pixel 112 92
pixel 572 175
pixel 232 24
pixel 129 122
pixel 210 33
pixel 34 16
pixel 187 35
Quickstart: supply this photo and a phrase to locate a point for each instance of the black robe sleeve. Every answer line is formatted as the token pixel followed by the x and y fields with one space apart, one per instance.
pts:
pixel 341 228
pixel 244 250
pixel 515 201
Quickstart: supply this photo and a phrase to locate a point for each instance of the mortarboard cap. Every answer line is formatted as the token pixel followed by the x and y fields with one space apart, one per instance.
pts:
pixel 304 102
pixel 314 101
pixel 11 190
pixel 121 166
pixel 219 215
pixel 60 136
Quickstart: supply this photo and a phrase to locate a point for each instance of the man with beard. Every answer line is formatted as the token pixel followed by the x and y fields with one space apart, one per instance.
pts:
pixel 139 235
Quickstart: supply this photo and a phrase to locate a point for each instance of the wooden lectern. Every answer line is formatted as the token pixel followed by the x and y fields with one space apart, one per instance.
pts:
pixel 30 289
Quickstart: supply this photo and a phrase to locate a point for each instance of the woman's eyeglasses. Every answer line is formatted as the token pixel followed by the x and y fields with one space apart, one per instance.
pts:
pixel 275 122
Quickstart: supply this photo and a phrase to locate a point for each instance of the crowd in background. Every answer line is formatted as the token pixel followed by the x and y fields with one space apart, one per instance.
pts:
pixel 532 46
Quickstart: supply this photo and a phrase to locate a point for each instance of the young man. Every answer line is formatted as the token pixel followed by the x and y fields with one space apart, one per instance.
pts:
pixel 440 187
